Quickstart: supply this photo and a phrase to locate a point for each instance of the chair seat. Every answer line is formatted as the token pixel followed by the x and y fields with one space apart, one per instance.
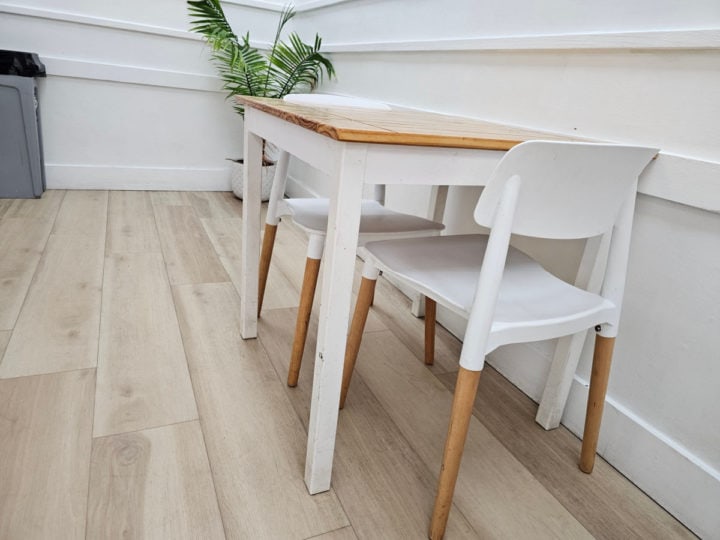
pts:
pixel 532 303
pixel 312 216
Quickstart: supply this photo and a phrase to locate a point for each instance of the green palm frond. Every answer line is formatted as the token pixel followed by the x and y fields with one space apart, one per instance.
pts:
pixel 244 70
pixel 287 13
pixel 208 19
pixel 298 66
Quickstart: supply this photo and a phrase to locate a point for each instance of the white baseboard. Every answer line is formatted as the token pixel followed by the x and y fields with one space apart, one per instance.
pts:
pixel 660 466
pixel 298 189
pixel 664 469
pixel 60 176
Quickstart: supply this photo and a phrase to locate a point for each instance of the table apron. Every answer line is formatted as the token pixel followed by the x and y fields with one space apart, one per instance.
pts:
pixel 319 151
pixel 437 166
pixel 386 163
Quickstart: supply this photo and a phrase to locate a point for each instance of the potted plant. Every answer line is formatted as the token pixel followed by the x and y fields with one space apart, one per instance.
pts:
pixel 287 67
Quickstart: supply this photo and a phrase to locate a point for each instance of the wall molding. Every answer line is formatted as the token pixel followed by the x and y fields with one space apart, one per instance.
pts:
pixel 113 24
pixel 685 180
pixel 78 176
pixel 120 24
pixel 657 464
pixel 120 73
pixel 688 39
pixel 703 39
pixel 299 189
pixel 310 5
pixel 102 22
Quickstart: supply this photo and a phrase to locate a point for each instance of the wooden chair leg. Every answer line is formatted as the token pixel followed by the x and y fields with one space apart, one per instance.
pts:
pixel 462 407
pixel 430 311
pixel 312 269
pixel 265 256
pixel 362 307
pixel 596 400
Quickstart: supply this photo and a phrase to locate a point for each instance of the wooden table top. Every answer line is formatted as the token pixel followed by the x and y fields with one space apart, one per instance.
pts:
pixel 398 126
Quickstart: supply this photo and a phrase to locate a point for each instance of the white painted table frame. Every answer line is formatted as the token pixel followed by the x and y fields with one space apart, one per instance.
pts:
pixel 353 164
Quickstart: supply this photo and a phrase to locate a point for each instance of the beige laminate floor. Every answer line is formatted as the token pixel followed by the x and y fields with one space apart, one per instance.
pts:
pixel 131 408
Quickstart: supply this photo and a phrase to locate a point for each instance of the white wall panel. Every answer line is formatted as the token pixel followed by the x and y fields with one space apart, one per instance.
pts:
pixel 643 96
pixel 669 347
pixel 78 41
pixel 105 123
pixel 131 100
pixel 167 13
pixel 399 20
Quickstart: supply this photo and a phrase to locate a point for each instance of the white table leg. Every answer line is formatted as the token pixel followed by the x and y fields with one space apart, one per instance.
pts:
pixel 339 261
pixel 252 155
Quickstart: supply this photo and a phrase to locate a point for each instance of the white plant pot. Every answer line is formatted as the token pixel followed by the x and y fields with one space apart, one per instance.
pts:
pixel 236 178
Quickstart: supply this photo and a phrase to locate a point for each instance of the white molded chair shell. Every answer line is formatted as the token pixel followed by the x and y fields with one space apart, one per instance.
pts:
pixel 532 303
pixel 311 215
pixel 569 190
pixel 540 189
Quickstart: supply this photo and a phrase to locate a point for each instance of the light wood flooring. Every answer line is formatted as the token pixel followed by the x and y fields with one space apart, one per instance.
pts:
pixel 131 408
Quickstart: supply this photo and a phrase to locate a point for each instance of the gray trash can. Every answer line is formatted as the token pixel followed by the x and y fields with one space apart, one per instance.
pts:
pixel 22 166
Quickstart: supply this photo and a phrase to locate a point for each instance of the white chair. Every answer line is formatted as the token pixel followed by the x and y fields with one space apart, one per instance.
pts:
pixel 540 189
pixel 311 215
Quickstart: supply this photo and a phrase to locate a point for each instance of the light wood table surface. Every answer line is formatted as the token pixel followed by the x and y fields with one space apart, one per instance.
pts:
pixel 357 146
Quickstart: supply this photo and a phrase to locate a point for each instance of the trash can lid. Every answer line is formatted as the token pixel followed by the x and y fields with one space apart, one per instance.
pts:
pixel 23 64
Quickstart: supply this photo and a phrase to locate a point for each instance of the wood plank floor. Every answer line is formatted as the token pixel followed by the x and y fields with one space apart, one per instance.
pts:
pixel 130 407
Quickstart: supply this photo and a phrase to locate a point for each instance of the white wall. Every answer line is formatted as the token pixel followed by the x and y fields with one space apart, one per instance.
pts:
pixel 646 73
pixel 131 102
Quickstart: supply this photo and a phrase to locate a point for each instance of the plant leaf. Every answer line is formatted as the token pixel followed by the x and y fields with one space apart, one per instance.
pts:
pixel 288 67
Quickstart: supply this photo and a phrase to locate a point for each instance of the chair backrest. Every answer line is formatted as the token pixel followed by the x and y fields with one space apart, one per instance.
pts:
pixel 568 189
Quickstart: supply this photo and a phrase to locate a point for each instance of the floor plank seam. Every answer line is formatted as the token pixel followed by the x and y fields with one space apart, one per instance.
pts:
pixel 329 532
pixel 90 461
pixel 86 368
pixel 37 266
pixel 199 419
pixel 282 378
pixel 147 428
pixel 163 249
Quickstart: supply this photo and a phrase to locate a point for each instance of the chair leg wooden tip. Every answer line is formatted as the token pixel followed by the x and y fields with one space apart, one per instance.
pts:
pixel 430 318
pixel 586 465
pixel 357 326
pixel 307 294
pixel 436 531
pixel 264 266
